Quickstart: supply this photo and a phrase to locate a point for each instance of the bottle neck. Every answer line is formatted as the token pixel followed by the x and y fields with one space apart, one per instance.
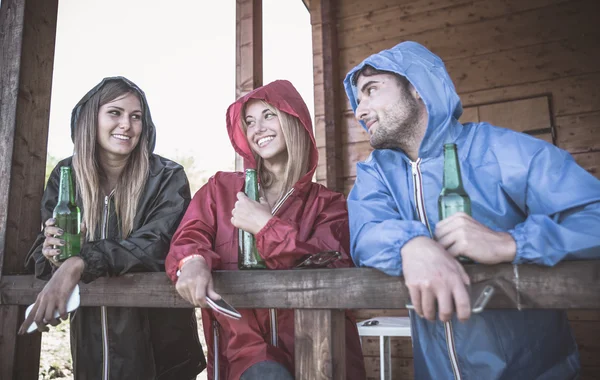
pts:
pixel 66 193
pixel 452 178
pixel 251 185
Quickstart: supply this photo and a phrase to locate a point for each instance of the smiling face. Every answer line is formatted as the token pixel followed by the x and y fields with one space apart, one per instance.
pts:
pixel 389 108
pixel 119 127
pixel 263 131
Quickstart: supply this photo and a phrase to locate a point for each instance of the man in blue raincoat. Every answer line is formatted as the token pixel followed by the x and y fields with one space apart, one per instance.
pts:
pixel 531 204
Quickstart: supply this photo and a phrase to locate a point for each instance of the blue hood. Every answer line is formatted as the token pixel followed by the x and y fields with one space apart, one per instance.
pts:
pixel 427 73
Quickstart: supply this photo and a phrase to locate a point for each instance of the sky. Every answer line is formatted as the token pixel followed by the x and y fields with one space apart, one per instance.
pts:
pixel 181 53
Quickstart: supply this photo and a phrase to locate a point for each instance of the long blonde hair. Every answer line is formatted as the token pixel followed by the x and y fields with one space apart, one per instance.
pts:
pixel 298 146
pixel 88 172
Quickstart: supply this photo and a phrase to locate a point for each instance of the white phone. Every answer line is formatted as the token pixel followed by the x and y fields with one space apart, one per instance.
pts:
pixel 478 295
pixel 224 308
pixel 72 304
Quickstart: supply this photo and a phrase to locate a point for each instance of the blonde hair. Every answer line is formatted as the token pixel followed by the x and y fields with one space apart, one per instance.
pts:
pixel 298 146
pixel 88 171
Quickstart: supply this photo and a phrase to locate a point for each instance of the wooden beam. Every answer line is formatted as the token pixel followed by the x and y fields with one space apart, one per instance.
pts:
pixel 27 35
pixel 325 38
pixel 248 51
pixel 320 344
pixel 568 285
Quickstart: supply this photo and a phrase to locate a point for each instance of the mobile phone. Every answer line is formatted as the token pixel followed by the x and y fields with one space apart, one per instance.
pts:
pixel 478 294
pixel 72 304
pixel 223 307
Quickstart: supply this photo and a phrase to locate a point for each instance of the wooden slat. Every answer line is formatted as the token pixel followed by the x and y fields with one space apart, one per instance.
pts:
pixel 320 344
pixel 568 285
pixel 9 315
pixel 418 17
pixel 11 35
pixel 590 161
pixel 570 95
pixel 248 51
pixel 470 115
pixel 365 10
pixel 325 37
pixel 519 115
pixel 353 152
pixel 568 19
pixel 525 64
pixel 579 133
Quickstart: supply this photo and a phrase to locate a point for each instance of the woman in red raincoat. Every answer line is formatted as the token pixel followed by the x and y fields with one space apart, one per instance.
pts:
pixel 295 217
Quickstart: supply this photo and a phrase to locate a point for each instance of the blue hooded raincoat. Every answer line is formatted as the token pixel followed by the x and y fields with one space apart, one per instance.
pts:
pixel 517 184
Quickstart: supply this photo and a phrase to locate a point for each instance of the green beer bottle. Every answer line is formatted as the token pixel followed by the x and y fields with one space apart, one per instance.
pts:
pixel 67 216
pixel 453 197
pixel 248 256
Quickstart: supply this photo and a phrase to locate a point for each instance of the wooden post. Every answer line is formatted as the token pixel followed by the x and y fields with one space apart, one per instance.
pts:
pixel 320 344
pixel 248 51
pixel 27 36
pixel 327 84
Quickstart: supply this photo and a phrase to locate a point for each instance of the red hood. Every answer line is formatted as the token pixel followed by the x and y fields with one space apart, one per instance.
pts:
pixel 282 95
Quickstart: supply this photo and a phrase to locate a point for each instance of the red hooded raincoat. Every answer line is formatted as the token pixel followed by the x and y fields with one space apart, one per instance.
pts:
pixel 311 219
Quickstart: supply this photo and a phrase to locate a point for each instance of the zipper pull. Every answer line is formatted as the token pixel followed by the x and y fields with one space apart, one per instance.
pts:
pixel 105 200
pixel 414 166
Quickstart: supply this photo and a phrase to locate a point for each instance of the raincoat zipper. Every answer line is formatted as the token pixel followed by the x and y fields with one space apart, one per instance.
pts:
pixel 420 204
pixel 273 312
pixel 215 326
pixel 104 318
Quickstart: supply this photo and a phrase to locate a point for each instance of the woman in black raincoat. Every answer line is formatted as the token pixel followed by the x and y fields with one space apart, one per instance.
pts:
pixel 132 201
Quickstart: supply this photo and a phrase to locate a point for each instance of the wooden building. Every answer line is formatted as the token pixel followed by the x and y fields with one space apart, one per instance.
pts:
pixel 528 65
pixel 532 66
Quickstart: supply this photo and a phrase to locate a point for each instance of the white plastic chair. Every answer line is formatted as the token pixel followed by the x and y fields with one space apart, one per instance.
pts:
pixel 384 328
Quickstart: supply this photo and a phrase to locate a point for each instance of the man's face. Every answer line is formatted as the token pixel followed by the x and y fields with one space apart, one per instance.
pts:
pixel 390 111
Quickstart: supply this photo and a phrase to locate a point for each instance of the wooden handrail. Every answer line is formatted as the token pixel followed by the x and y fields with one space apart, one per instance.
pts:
pixel 318 295
pixel 568 285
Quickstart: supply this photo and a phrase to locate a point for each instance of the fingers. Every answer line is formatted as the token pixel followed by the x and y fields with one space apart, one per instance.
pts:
pixel 461 302
pixel 210 291
pixel 445 305
pixel 28 321
pixel 428 304
pixel 200 294
pixel 50 222
pixel 415 298
pixel 463 274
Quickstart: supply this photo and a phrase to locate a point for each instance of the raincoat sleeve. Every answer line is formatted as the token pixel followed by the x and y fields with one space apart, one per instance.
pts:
pixel 145 249
pixel 281 247
pixel 377 231
pixel 196 232
pixel 35 261
pixel 563 208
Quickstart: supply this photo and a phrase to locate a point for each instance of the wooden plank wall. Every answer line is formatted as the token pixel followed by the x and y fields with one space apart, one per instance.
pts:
pixel 496 51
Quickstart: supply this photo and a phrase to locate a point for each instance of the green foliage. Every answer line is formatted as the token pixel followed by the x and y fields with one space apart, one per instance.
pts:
pixel 197 176
pixel 51 163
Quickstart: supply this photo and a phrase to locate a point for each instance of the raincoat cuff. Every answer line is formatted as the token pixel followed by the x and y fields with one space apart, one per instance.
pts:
pixel 92 260
pixel 519 237
pixel 266 228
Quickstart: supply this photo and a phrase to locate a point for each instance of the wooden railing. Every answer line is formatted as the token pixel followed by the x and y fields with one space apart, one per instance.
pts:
pixel 320 295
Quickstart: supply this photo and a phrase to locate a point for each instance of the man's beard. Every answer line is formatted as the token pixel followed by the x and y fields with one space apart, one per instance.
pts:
pixel 397 129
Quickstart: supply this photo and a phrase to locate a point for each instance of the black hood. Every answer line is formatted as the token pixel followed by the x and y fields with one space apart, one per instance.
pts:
pixel 146 117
